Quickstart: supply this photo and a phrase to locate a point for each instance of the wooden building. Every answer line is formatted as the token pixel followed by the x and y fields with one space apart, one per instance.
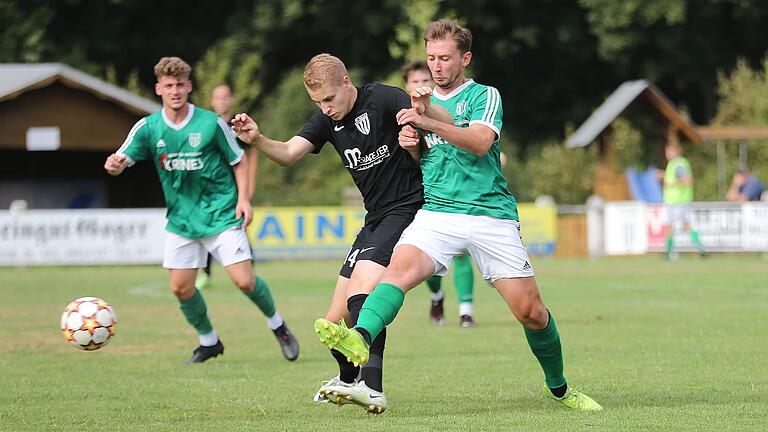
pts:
pixel 57 126
pixel 610 184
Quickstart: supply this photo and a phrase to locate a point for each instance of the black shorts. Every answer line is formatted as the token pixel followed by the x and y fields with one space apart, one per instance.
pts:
pixel 377 239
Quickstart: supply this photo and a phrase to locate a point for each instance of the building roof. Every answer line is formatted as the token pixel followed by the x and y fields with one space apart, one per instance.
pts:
pixel 19 78
pixel 618 101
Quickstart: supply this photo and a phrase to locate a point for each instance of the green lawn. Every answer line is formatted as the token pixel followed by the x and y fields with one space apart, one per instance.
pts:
pixel 663 346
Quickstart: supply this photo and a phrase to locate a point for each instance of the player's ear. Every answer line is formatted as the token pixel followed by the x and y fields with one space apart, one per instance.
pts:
pixel 466 58
pixel 157 89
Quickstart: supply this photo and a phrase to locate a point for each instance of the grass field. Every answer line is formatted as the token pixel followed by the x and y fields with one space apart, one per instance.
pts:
pixel 663 346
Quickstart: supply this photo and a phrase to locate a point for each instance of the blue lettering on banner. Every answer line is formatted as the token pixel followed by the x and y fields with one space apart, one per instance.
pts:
pixel 300 226
pixel 323 224
pixel 271 227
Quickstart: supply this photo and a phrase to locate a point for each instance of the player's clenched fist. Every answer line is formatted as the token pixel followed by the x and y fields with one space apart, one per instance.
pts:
pixel 420 98
pixel 115 164
pixel 410 117
pixel 408 138
pixel 245 128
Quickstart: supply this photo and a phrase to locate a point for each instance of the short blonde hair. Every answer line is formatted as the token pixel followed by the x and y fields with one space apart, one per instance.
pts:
pixel 324 69
pixel 172 66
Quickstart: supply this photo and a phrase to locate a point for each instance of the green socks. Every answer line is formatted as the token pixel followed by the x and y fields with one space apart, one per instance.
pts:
pixel 262 297
pixel 545 345
pixel 696 242
pixel 463 278
pixel 434 283
pixel 694 239
pixel 196 313
pixel 670 244
pixel 380 308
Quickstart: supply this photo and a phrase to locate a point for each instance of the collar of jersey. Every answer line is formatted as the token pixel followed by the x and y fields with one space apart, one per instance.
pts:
pixel 181 125
pixel 355 106
pixel 455 91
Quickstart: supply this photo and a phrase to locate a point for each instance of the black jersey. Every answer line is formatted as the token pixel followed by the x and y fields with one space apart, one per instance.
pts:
pixel 366 141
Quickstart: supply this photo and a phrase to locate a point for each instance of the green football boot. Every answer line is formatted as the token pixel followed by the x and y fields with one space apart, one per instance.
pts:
pixel 575 399
pixel 343 339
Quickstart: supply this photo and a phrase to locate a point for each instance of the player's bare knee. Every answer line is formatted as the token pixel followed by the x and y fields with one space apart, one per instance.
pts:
pixel 245 285
pixel 532 313
pixel 183 292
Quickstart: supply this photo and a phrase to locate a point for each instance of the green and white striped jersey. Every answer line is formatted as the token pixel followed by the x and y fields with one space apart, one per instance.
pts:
pixel 456 181
pixel 193 160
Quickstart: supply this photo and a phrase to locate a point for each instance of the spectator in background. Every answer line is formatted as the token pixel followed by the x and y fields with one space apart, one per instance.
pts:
pixel 221 102
pixel 745 187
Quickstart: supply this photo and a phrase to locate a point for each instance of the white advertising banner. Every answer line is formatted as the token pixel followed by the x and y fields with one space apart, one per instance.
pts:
pixel 624 230
pixel 59 237
pixel 754 226
pixel 722 227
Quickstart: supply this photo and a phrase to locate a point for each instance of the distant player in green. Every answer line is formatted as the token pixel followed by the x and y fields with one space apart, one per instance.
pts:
pixel 221 103
pixel 678 194
pixel 468 208
pixel 204 175
pixel 416 74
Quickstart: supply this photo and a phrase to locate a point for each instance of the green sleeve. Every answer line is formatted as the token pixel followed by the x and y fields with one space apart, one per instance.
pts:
pixel 485 108
pixel 226 143
pixel 135 145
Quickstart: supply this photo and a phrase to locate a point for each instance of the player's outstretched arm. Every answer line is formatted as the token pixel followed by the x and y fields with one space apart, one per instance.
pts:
pixel 284 153
pixel 115 164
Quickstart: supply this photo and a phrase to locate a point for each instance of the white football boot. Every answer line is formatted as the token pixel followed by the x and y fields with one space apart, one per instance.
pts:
pixel 326 387
pixel 373 401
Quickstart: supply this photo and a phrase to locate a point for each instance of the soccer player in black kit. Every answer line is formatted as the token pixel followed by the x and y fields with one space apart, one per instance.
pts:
pixel 360 123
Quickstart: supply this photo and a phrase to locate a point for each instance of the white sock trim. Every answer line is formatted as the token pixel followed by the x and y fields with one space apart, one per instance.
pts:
pixel 209 339
pixel 438 295
pixel 465 309
pixel 275 321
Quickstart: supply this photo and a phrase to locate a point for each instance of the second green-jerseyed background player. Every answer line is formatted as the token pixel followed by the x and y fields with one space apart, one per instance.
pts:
pixel 468 208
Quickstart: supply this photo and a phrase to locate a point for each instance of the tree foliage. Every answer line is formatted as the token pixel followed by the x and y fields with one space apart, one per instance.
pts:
pixel 552 61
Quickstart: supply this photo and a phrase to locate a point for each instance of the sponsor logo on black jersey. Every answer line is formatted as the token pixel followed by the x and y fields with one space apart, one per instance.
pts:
pixel 358 162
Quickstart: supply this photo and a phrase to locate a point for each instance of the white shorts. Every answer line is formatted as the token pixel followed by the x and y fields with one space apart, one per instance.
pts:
pixel 227 247
pixel 494 244
pixel 678 216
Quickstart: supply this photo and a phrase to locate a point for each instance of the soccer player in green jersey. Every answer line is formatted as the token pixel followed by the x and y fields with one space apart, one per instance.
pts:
pixel 678 194
pixel 468 208
pixel 204 175
pixel 416 74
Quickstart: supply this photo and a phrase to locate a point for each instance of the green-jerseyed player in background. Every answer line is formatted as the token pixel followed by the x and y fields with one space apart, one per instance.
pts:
pixel 678 194
pixel 204 175
pixel 468 208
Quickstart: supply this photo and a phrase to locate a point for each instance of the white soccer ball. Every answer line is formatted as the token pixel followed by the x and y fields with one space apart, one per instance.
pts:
pixel 88 323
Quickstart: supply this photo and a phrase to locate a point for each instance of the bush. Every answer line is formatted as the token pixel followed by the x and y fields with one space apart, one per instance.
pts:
pixel 566 174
